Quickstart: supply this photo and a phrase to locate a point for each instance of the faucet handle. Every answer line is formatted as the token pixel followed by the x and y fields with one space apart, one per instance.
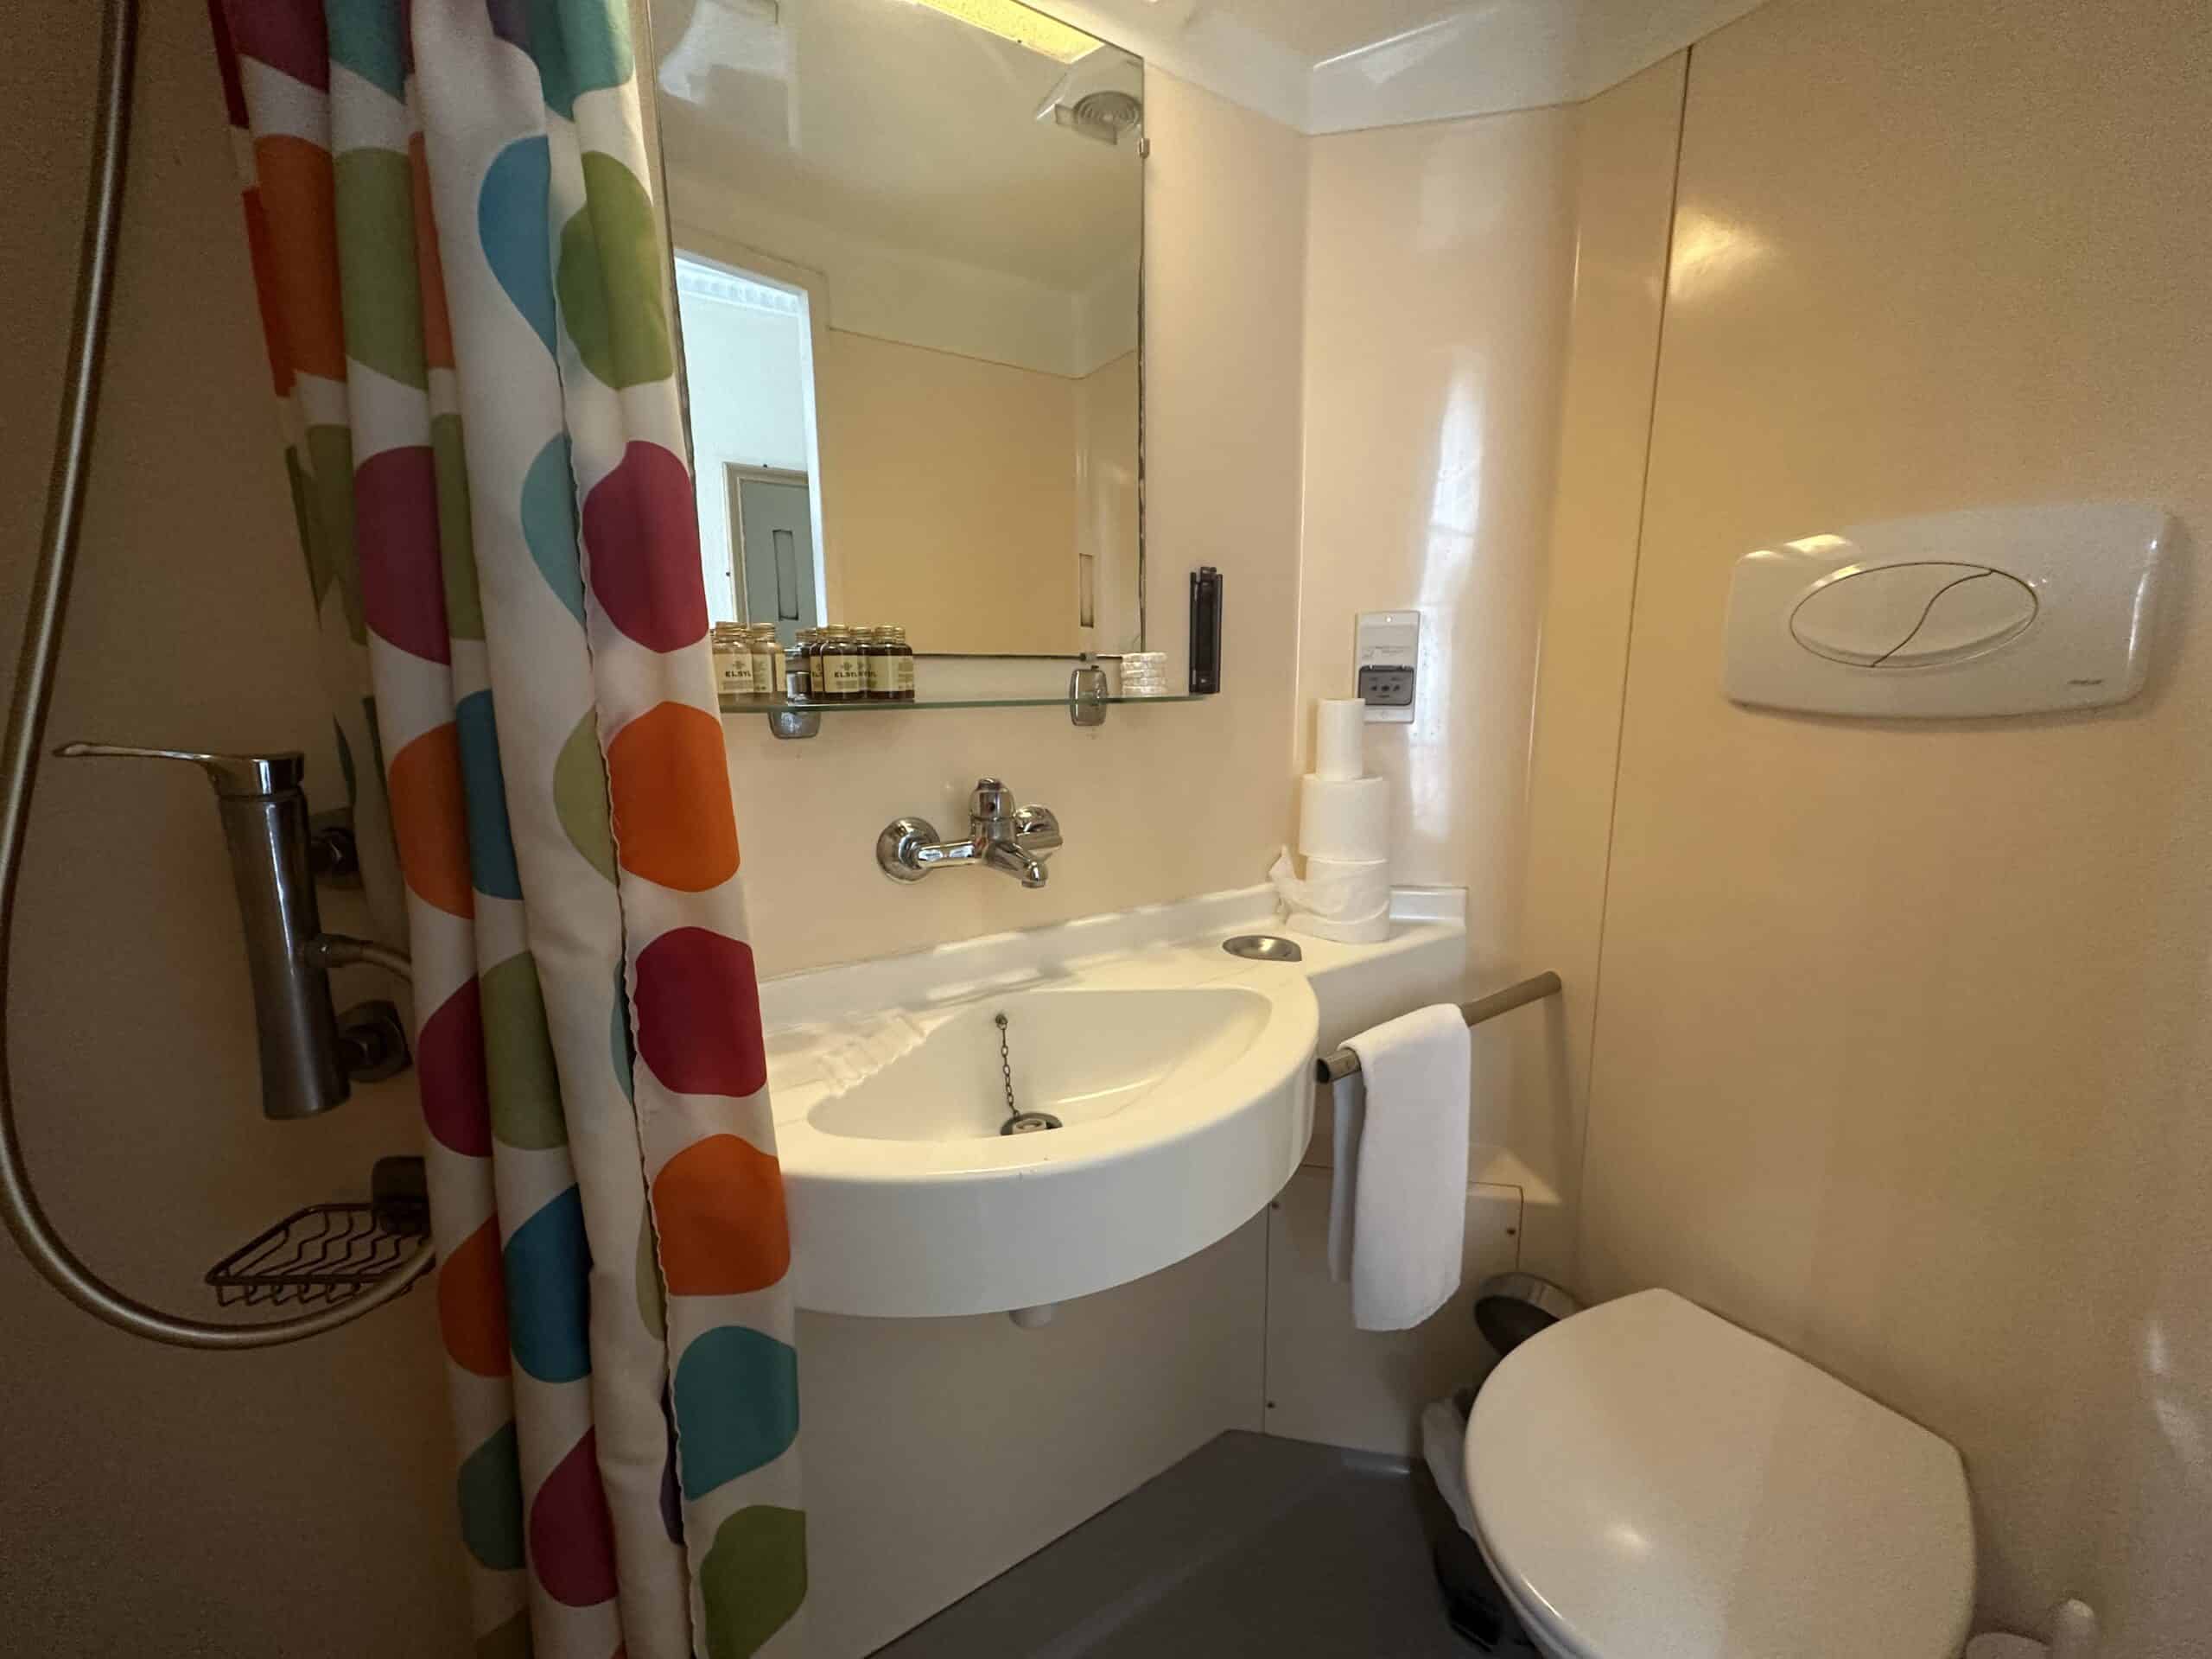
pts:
pixel 1036 830
pixel 234 775
pixel 990 801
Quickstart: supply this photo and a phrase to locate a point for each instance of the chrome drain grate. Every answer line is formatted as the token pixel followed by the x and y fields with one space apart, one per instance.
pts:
pixel 1029 1123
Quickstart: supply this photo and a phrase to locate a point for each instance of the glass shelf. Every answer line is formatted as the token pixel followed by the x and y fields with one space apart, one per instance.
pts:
pixel 795 720
pixel 776 705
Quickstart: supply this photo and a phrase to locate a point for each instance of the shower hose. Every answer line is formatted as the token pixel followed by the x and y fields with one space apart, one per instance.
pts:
pixel 26 713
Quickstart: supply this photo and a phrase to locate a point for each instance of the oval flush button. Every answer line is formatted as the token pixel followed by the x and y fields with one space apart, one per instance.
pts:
pixel 1913 615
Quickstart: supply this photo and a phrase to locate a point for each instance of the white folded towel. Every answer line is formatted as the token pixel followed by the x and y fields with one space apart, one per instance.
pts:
pixel 1398 1195
pixel 1347 1105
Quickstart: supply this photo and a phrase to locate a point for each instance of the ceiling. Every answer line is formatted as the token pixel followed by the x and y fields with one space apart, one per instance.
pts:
pixel 1336 66
pixel 1314 29
pixel 891 123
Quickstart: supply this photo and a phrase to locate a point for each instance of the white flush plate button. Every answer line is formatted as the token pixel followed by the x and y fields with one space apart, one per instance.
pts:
pixel 1952 615
pixel 1967 619
pixel 1912 615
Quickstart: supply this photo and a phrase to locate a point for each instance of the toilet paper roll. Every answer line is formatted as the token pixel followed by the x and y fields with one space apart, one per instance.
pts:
pixel 1371 930
pixel 1344 818
pixel 1347 889
pixel 1355 907
pixel 1334 886
pixel 1340 738
pixel 1347 900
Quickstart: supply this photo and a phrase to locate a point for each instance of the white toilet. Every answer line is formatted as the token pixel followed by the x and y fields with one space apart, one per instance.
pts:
pixel 1650 1482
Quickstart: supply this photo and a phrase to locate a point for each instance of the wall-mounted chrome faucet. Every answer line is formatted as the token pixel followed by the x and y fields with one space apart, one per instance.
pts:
pixel 309 1053
pixel 1015 840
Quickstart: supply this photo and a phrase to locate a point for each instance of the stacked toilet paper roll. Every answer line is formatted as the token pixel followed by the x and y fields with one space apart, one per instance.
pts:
pixel 1340 738
pixel 1343 833
pixel 1344 818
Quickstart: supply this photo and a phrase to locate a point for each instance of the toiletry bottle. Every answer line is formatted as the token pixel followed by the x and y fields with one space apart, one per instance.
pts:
pixel 882 672
pixel 818 664
pixel 774 685
pixel 761 638
pixel 733 656
pixel 843 672
pixel 902 665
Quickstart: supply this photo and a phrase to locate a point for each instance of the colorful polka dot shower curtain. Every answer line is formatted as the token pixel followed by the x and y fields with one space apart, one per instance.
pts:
pixel 462 281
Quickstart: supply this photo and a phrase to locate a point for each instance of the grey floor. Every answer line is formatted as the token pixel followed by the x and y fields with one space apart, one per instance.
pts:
pixel 1250 1546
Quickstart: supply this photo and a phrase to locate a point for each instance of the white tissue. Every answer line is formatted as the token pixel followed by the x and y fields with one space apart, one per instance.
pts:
pixel 1347 901
pixel 851 1056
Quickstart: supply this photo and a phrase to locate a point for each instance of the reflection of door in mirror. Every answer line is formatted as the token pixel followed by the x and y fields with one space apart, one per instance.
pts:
pixel 749 367
pixel 937 205
pixel 771 524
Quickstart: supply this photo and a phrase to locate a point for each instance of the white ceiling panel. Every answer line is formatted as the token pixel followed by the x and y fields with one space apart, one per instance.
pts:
pixel 1336 66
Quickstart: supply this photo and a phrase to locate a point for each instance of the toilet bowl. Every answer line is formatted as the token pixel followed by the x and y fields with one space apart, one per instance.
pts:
pixel 1651 1482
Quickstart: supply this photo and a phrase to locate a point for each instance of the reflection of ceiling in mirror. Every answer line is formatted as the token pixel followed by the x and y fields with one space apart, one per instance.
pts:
pixel 1343 66
pixel 1315 29
pixel 895 122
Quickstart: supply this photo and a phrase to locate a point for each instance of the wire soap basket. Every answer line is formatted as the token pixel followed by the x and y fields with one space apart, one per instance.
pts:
pixel 330 1253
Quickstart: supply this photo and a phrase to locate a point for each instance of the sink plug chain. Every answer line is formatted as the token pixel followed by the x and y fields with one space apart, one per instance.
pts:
pixel 1017 1120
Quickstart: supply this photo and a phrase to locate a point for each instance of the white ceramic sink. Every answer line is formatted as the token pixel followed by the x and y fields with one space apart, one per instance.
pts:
pixel 1182 1076
pixel 1080 1055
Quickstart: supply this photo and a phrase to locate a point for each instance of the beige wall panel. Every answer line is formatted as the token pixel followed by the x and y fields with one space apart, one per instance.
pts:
pixel 1898 1055
pixel 1624 198
pixel 948 495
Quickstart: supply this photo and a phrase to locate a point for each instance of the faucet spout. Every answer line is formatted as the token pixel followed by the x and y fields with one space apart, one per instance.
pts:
pixel 1005 855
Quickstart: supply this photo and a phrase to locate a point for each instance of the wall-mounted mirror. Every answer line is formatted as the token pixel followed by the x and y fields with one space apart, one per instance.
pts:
pixel 909 250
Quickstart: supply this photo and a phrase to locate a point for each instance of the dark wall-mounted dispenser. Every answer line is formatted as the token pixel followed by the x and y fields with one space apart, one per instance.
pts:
pixel 1206 630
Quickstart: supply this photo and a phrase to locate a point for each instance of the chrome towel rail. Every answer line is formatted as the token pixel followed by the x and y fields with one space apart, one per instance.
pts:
pixel 1342 1063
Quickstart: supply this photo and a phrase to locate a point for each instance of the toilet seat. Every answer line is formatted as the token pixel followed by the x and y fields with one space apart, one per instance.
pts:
pixel 1650 1482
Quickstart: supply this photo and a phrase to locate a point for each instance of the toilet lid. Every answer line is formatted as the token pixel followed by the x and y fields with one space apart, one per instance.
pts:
pixel 1650 1482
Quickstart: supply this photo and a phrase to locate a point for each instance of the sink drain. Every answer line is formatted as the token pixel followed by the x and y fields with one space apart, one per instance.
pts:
pixel 1017 1120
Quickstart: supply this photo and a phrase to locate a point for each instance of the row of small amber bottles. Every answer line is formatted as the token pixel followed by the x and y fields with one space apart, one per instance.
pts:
pixel 850 664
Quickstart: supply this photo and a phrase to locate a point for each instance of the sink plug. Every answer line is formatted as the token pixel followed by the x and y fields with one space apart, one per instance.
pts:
pixel 1017 1120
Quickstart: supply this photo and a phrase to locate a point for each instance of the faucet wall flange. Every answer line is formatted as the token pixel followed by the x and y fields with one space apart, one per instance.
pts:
pixel 898 848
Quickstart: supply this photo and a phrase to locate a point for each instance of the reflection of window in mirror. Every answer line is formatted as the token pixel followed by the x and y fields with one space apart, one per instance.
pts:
pixel 946 199
pixel 748 358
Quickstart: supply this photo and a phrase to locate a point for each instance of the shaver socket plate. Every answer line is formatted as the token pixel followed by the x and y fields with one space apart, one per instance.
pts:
pixel 1386 656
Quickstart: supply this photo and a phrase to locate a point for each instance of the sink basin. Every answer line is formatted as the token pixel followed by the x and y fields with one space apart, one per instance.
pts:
pixel 1081 1056
pixel 1182 1079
